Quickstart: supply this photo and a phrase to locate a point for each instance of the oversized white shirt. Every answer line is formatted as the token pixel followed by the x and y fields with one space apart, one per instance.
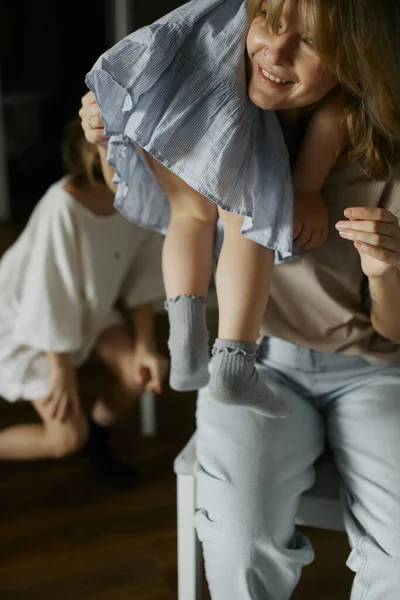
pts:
pixel 61 279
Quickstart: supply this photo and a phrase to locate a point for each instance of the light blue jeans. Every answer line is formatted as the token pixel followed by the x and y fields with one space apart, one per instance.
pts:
pixel 252 470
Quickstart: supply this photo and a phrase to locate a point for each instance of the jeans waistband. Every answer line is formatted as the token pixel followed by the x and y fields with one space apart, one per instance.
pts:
pixel 306 359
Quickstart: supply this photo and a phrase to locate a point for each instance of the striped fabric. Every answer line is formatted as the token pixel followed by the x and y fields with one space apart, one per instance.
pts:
pixel 178 90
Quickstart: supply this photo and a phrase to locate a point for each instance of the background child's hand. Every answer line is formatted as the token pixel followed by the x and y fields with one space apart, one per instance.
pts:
pixel 92 124
pixel 149 369
pixel 310 220
pixel 139 368
pixel 63 399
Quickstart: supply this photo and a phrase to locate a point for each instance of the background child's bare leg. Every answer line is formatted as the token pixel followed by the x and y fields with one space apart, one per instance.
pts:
pixel 49 439
pixel 105 413
pixel 116 349
pixel 243 280
pixel 187 268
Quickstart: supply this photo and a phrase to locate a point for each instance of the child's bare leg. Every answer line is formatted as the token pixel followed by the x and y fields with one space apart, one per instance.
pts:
pixel 106 411
pixel 243 281
pixel 187 268
pixel 49 439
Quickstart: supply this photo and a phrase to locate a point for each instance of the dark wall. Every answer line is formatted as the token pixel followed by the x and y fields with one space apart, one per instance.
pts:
pixel 46 48
pixel 147 12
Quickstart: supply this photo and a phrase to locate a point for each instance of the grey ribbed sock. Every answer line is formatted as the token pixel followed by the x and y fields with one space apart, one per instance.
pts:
pixel 235 380
pixel 188 342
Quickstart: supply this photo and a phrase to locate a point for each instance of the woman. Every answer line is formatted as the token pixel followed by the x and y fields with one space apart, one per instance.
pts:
pixel 333 353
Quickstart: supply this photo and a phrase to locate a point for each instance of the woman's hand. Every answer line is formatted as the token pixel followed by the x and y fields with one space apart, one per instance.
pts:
pixel 92 124
pixel 63 399
pixel 376 235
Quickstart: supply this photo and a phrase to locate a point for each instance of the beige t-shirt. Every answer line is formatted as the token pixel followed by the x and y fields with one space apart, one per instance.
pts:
pixel 317 300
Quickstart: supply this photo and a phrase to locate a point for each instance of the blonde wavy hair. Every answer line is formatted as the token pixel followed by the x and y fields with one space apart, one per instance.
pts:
pixel 359 40
pixel 80 158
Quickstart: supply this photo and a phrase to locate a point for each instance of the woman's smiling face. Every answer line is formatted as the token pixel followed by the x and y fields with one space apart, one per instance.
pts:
pixel 284 70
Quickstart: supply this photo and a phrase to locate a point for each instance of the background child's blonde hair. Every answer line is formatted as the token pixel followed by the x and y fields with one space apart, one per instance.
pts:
pixel 80 158
pixel 359 40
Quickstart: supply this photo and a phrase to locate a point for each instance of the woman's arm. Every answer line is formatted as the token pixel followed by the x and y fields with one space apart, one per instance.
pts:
pixel 376 235
pixel 385 297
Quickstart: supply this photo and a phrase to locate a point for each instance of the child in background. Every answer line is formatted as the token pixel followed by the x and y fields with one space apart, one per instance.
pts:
pixel 175 97
pixel 59 284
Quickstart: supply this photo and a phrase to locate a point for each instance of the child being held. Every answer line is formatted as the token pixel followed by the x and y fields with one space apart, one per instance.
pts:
pixel 189 104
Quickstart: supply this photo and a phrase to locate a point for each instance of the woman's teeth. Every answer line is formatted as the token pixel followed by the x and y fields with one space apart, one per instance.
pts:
pixel 272 78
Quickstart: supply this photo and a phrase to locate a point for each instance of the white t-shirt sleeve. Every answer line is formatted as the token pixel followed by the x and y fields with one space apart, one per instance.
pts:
pixel 144 282
pixel 51 308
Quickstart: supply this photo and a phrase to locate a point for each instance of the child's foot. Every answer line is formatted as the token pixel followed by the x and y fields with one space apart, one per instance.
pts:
pixel 235 380
pixel 188 342
pixel 107 466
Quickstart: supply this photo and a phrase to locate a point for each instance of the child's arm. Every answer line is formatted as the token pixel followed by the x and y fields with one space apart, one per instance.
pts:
pixel 143 286
pixel 151 368
pixel 142 320
pixel 324 139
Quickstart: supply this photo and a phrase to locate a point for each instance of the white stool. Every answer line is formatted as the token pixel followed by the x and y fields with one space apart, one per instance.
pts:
pixel 319 507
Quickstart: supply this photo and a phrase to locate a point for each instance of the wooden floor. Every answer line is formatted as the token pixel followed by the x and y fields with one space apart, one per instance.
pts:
pixel 66 536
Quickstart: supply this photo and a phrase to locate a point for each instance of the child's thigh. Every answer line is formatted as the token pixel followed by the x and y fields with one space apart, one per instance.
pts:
pixel 193 205
pixel 230 221
pixel 184 200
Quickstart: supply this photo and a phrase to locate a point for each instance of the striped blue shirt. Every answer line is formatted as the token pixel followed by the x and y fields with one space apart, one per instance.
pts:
pixel 178 89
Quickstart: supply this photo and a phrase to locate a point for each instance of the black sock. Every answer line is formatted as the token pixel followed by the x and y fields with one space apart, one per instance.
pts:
pixel 106 464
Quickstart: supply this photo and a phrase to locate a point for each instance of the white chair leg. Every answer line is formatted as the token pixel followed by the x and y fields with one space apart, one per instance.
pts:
pixel 147 408
pixel 189 549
